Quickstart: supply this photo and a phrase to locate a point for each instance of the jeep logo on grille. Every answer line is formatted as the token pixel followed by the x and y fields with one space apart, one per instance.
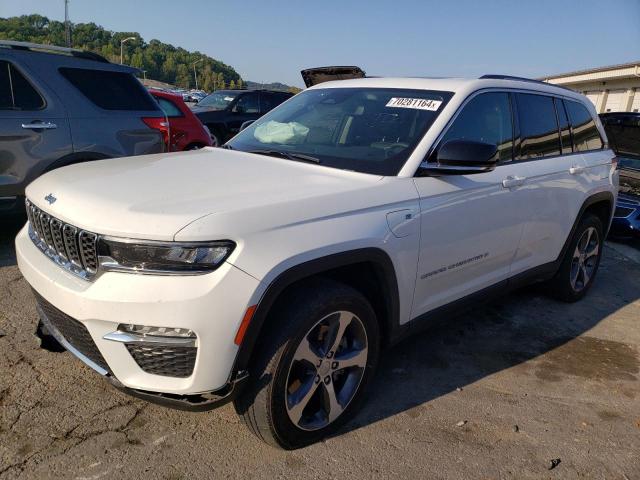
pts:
pixel 50 198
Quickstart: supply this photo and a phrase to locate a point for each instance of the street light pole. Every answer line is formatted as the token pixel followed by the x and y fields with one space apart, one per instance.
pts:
pixel 67 30
pixel 122 42
pixel 195 74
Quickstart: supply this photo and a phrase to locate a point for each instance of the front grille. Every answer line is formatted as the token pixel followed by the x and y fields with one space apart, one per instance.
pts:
pixel 70 247
pixel 167 360
pixel 622 212
pixel 73 332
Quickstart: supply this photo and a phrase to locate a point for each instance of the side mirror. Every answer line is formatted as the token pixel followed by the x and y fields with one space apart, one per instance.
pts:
pixel 245 124
pixel 462 157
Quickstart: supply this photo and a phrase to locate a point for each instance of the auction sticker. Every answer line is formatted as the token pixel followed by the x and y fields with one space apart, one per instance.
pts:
pixel 417 103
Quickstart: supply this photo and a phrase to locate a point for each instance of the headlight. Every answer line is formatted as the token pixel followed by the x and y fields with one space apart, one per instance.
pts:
pixel 162 257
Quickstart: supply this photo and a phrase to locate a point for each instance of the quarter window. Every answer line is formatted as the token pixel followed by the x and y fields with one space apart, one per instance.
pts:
pixel 585 133
pixel 538 126
pixel 486 118
pixel 16 93
pixel 110 90
pixel 565 129
pixel 168 107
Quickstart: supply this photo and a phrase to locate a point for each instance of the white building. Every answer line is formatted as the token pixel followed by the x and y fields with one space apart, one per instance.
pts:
pixel 611 89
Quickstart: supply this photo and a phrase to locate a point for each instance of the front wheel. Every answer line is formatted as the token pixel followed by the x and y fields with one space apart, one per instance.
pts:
pixel 580 263
pixel 313 367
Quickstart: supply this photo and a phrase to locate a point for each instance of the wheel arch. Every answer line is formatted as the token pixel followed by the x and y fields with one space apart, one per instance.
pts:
pixel 602 205
pixel 377 282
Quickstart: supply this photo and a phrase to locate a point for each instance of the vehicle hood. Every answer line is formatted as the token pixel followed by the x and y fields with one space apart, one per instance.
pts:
pixel 155 196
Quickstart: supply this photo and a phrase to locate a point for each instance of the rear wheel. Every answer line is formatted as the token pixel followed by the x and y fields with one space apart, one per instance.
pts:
pixel 581 261
pixel 312 370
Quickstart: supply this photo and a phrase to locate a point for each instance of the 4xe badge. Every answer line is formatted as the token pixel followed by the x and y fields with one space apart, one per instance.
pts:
pixel 50 198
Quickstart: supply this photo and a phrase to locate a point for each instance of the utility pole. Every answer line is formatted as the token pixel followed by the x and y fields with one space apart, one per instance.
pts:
pixel 67 30
pixel 195 74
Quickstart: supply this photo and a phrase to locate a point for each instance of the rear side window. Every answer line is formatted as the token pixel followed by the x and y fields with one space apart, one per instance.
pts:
pixel 168 107
pixel 585 133
pixel 16 93
pixel 486 118
pixel 565 129
pixel 110 90
pixel 538 126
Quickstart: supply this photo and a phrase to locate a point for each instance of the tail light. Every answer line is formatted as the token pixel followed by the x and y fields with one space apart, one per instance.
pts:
pixel 162 125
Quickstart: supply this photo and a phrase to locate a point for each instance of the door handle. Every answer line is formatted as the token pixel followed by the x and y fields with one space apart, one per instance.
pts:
pixel 513 181
pixel 39 126
pixel 575 170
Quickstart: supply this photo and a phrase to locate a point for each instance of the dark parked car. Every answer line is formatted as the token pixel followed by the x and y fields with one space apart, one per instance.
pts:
pixel 623 131
pixel 224 111
pixel 186 132
pixel 60 106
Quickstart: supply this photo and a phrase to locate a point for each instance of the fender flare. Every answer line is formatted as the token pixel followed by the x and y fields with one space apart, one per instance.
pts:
pixel 385 272
pixel 605 196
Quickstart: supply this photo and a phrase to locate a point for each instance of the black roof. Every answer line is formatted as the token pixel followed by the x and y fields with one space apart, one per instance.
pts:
pixel 36 47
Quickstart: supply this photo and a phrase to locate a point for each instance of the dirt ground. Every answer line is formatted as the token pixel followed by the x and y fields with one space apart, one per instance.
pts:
pixel 505 391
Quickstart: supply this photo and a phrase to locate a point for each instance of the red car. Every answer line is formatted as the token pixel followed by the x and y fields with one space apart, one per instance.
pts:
pixel 186 132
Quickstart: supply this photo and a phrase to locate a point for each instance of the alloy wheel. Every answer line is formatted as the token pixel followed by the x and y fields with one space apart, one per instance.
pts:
pixel 585 259
pixel 326 370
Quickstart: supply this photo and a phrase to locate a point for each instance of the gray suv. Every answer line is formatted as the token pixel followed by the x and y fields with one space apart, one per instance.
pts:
pixel 60 106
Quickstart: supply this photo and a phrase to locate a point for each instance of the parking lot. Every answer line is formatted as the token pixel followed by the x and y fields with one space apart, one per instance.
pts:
pixel 506 391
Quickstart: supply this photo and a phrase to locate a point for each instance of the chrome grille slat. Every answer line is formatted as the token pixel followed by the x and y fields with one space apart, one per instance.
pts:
pixel 72 248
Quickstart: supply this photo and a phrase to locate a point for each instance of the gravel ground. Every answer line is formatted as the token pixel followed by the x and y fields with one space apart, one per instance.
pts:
pixel 506 391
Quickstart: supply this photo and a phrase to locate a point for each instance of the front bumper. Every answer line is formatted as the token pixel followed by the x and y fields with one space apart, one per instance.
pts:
pixel 211 305
pixel 626 218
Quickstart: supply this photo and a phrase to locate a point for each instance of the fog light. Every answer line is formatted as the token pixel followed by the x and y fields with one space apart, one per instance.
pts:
pixel 156 331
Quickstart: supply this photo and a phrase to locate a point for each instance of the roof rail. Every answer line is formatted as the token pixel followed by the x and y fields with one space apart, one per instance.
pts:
pixel 53 49
pixel 522 79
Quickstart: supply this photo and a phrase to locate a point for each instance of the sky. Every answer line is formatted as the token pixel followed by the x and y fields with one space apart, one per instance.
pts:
pixel 269 41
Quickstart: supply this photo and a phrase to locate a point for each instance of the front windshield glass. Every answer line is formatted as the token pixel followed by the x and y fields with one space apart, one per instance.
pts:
pixel 218 100
pixel 370 130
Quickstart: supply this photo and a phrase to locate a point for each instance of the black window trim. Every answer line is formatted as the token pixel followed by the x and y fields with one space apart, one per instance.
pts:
pixel 514 116
pixel 19 69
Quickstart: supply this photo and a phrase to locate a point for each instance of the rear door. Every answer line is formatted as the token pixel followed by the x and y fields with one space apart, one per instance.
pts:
pixel 471 225
pixel 34 131
pixel 557 181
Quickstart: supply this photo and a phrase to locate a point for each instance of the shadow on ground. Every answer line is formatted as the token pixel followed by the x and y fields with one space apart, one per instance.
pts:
pixel 504 334
pixel 9 228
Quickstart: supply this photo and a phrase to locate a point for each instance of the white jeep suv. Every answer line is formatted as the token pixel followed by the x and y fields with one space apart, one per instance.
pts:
pixel 271 272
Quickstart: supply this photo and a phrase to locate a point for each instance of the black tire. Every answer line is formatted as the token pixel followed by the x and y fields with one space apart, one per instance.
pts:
pixel 561 286
pixel 216 137
pixel 263 403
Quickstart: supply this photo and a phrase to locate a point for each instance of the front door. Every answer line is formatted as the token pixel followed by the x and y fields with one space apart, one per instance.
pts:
pixel 34 131
pixel 471 225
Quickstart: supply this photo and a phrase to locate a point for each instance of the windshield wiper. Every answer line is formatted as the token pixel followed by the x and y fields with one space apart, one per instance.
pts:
pixel 288 155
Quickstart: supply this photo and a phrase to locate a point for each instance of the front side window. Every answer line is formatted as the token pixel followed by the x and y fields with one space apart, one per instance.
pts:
pixel 247 103
pixel 16 93
pixel 110 90
pixel 486 118
pixel 538 126
pixel 585 133
pixel 370 130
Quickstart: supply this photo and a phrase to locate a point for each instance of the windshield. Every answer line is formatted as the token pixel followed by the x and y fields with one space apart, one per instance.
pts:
pixel 370 130
pixel 218 100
